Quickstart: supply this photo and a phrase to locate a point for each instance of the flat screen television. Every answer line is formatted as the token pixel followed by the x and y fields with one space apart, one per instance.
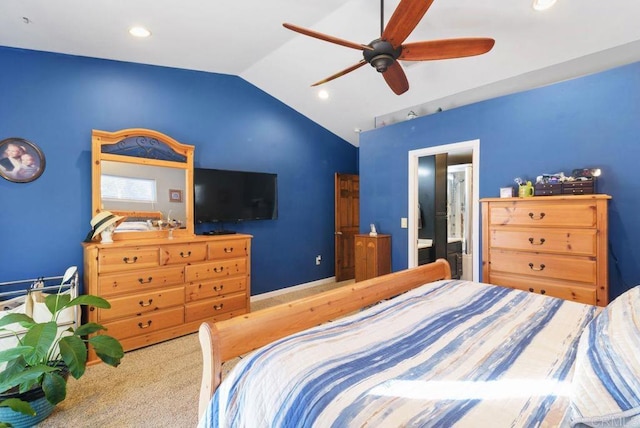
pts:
pixel 231 196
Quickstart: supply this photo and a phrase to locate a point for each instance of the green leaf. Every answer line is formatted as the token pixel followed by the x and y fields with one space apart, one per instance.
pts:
pixel 26 377
pixel 56 302
pixel 17 405
pixel 15 352
pixel 24 320
pixel 88 328
pixel 107 348
pixel 74 354
pixel 90 300
pixel 41 337
pixel 54 387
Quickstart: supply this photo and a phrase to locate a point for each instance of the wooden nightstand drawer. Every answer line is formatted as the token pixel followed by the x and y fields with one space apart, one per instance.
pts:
pixel 221 269
pixel 109 285
pixel 146 323
pixel 212 308
pixel 142 303
pixel 216 287
pixel 580 269
pixel 581 242
pixel 183 253
pixel 119 259
pixel 534 214
pixel 562 289
pixel 228 249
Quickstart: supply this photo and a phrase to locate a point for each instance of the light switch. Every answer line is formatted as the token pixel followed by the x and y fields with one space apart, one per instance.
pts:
pixel 403 223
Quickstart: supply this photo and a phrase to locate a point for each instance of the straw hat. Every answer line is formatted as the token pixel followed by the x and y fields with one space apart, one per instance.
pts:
pixel 101 222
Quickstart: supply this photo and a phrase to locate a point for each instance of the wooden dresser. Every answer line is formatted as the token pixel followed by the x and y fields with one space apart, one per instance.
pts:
pixel 163 288
pixel 553 245
pixel 372 256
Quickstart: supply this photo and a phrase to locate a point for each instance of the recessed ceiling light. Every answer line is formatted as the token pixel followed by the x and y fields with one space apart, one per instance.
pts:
pixel 543 4
pixel 139 32
pixel 323 94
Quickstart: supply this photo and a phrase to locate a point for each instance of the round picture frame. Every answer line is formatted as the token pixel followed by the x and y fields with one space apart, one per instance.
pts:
pixel 21 161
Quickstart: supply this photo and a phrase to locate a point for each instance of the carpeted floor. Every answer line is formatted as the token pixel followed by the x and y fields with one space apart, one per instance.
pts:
pixel 156 386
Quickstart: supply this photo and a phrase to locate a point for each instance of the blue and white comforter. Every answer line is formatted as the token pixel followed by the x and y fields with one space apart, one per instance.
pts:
pixel 448 353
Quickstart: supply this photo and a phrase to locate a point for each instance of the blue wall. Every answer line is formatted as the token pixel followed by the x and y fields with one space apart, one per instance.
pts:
pixel 56 100
pixel 593 121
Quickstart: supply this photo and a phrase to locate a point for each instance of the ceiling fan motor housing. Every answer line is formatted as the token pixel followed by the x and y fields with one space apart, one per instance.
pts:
pixel 382 55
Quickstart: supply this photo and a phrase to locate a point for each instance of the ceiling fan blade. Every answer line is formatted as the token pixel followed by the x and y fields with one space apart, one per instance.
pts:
pixel 341 73
pixel 445 49
pixel 326 38
pixel 404 20
pixel 396 79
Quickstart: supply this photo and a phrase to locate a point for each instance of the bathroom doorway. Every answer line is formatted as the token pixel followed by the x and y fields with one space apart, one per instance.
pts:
pixel 457 236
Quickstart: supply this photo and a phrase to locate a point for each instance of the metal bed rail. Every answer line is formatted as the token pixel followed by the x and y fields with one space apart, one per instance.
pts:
pixel 63 283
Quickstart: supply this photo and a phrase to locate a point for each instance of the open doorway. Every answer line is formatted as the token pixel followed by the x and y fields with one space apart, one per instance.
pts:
pixel 466 150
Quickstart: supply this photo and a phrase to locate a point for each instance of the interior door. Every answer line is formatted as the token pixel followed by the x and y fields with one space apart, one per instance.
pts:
pixel 347 224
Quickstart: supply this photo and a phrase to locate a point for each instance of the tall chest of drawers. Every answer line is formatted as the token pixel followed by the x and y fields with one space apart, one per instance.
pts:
pixel 553 245
pixel 164 288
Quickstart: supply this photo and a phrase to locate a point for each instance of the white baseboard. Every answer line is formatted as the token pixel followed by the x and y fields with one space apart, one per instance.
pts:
pixel 292 288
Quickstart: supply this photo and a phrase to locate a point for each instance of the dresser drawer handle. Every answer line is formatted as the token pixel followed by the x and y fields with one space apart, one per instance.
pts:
pixel 543 292
pixel 536 269
pixel 184 256
pixel 142 281
pixel 218 270
pixel 531 289
pixel 218 288
pixel 218 307
pixel 228 250
pixel 533 217
pixel 130 261
pixel 533 243
pixel 147 325
pixel 144 305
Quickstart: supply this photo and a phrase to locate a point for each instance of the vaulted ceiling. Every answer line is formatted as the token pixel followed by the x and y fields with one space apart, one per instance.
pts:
pixel 246 38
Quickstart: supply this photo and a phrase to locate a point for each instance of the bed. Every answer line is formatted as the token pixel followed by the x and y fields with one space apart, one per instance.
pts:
pixel 415 348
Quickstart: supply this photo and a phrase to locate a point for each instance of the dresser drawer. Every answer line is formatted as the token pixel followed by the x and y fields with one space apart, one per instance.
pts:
pixel 218 269
pixel 541 214
pixel 581 242
pixel 581 269
pixel 183 253
pixel 142 303
pixel 145 323
pixel 119 283
pixel 212 308
pixel 554 288
pixel 213 288
pixel 119 259
pixel 228 249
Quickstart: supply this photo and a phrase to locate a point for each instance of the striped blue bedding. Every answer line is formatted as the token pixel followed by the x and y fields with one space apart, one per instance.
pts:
pixel 450 353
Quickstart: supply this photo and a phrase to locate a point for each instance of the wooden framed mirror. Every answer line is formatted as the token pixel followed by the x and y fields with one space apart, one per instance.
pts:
pixel 145 176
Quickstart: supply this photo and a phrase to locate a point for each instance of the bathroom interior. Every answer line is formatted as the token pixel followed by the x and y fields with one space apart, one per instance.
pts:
pixel 444 211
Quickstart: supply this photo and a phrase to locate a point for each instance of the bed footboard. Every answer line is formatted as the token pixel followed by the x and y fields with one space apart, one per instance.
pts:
pixel 228 339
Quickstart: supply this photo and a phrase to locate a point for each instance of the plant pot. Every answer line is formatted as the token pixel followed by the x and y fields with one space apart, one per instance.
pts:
pixel 35 397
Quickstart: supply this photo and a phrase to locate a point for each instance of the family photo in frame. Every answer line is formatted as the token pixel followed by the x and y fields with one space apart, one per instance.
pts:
pixel 20 160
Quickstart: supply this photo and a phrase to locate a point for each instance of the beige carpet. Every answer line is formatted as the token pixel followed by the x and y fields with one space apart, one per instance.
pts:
pixel 156 386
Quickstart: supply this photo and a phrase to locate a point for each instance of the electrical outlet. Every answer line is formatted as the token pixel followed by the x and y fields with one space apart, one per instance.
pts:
pixel 318 259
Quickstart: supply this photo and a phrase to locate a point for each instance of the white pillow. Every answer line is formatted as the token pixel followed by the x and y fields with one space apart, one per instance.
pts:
pixel 606 382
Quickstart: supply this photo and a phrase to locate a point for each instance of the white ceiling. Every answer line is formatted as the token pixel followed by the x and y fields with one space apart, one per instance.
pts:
pixel 246 38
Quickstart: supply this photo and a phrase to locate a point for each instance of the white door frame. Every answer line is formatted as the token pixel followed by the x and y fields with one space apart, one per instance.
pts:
pixel 414 156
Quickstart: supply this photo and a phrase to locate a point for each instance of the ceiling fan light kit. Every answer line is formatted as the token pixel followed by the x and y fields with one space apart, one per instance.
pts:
pixel 543 4
pixel 383 53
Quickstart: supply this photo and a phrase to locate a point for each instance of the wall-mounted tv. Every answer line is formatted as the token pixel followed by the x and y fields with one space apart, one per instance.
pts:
pixel 231 196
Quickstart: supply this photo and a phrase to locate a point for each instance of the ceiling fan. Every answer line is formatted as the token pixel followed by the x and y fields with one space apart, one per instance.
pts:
pixel 383 53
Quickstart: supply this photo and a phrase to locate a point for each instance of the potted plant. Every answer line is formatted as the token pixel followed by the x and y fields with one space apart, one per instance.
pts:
pixel 35 377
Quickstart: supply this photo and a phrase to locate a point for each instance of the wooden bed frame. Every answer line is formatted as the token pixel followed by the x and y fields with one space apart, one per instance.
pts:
pixel 231 338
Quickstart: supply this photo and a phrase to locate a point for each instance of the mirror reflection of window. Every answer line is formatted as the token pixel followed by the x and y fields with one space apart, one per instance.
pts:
pixel 129 189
